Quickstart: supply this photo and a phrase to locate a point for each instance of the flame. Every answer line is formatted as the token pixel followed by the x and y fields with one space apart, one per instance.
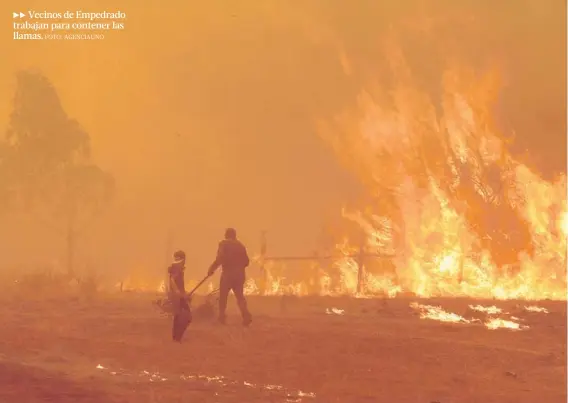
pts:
pixel 451 211
pixel 275 283
pixel 535 309
pixel 496 323
pixel 341 278
pixel 437 313
pixel 463 216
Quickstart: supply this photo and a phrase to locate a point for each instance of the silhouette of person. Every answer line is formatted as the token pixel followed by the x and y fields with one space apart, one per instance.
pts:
pixel 178 297
pixel 233 258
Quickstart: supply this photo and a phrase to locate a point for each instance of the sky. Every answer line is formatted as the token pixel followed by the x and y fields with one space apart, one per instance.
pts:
pixel 206 112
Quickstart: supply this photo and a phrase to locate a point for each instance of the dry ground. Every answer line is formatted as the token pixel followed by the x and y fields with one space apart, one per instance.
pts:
pixel 376 352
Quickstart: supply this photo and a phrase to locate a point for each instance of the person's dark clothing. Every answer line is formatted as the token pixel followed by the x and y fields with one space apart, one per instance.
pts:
pixel 233 258
pixel 182 318
pixel 181 309
pixel 236 283
pixel 176 272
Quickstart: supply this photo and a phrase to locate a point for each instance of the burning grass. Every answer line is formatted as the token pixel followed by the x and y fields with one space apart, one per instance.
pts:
pixel 490 321
pixel 460 213
pixel 464 216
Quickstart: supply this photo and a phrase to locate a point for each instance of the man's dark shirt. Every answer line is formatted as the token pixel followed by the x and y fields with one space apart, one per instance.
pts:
pixel 176 271
pixel 231 256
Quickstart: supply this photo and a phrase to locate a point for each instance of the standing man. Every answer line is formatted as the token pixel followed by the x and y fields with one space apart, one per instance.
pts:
pixel 178 297
pixel 233 258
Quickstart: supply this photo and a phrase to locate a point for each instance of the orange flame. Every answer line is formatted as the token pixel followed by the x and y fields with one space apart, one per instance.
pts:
pixel 464 217
pixel 461 215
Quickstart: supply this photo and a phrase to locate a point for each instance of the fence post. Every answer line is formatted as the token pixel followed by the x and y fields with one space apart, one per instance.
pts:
pixel 263 273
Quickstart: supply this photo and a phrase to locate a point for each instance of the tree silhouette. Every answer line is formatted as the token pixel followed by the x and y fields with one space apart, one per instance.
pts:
pixel 45 164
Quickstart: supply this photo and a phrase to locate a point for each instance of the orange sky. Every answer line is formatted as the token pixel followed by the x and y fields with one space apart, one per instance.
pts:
pixel 205 112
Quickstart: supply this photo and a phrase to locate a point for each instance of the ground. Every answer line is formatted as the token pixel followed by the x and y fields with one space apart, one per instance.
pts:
pixel 117 348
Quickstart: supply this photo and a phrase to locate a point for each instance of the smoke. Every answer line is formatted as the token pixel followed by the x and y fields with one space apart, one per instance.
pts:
pixel 204 113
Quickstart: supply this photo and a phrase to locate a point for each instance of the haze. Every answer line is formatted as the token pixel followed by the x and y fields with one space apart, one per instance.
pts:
pixel 205 112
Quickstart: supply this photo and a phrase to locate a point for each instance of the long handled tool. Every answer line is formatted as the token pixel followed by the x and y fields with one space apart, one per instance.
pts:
pixel 189 294
pixel 165 304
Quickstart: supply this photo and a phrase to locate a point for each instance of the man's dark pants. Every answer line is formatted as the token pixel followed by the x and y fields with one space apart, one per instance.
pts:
pixel 236 282
pixel 182 318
